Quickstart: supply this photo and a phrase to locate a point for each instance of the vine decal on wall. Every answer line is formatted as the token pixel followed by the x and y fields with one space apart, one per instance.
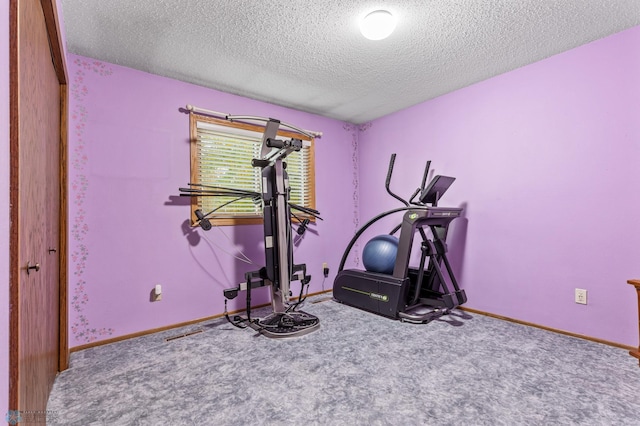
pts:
pixel 356 184
pixel 80 328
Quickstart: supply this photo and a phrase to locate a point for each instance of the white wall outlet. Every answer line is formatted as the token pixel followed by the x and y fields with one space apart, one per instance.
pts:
pixel 581 296
pixel 156 293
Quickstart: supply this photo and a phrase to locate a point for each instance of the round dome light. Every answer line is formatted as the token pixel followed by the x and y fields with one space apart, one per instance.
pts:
pixel 378 25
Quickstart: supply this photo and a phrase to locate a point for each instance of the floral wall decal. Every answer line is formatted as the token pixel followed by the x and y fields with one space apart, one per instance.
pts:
pixel 81 329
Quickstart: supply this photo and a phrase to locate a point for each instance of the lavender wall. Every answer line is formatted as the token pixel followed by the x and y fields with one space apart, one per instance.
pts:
pixel 4 208
pixel 128 154
pixel 546 160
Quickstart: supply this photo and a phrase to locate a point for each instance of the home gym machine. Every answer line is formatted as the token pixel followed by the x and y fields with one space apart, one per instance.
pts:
pixel 279 270
pixel 417 295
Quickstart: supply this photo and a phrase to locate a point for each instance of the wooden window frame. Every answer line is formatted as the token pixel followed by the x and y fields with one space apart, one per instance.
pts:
pixel 217 220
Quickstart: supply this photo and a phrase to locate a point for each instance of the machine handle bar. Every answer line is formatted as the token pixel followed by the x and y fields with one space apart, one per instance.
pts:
pixel 388 181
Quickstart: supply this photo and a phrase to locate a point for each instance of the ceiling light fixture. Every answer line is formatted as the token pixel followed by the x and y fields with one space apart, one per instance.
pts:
pixel 378 25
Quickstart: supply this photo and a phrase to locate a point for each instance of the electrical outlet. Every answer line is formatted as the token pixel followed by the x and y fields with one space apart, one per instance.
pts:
pixel 325 269
pixel 581 296
pixel 156 293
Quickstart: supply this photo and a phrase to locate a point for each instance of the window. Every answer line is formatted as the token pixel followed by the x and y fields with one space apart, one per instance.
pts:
pixel 221 154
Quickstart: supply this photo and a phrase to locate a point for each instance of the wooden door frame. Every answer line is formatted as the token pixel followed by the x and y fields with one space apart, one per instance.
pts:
pixel 52 23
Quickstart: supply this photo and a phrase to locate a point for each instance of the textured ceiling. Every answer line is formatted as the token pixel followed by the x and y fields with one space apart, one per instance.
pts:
pixel 310 55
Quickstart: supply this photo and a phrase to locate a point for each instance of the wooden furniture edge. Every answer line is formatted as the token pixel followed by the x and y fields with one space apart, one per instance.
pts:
pixel 635 352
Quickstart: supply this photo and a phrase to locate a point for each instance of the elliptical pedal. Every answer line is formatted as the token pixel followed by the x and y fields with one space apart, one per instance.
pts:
pixel 421 317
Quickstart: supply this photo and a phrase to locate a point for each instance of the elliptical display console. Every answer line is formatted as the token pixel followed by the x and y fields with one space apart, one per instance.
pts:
pixel 409 294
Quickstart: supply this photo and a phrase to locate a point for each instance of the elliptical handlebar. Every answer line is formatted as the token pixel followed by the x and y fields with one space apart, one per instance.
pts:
pixel 420 190
pixel 426 174
pixel 388 181
pixel 392 161
pixel 414 195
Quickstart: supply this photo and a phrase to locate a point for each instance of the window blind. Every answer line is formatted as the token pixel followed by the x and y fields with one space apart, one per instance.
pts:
pixel 224 157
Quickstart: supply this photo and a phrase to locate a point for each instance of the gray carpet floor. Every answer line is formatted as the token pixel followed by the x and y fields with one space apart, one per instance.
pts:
pixel 357 369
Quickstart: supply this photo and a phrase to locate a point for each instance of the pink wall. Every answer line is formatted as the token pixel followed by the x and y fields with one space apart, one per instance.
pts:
pixel 128 154
pixel 4 208
pixel 546 160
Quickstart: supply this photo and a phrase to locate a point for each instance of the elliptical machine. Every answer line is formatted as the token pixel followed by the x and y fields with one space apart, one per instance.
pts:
pixel 417 295
pixel 279 269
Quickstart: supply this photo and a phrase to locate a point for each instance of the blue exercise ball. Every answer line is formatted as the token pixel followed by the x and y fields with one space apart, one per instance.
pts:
pixel 379 254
